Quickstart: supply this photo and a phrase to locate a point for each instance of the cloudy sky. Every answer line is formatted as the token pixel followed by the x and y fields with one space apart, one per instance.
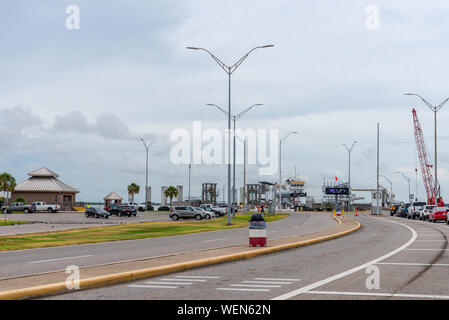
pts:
pixel 78 101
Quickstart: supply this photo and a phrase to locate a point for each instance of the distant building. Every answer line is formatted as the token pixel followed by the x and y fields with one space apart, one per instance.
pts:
pixel 44 186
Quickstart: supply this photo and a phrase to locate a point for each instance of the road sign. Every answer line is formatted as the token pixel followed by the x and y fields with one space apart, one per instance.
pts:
pixel 337 190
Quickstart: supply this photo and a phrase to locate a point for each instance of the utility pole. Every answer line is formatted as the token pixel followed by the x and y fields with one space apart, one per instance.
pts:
pixel 146 171
pixel 349 172
pixel 377 195
pixel 190 167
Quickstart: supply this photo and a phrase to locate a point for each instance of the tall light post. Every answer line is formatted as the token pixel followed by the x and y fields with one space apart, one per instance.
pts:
pixel 244 170
pixel 349 172
pixel 408 179
pixel 280 165
pixel 146 171
pixel 190 167
pixel 230 70
pixel 234 119
pixel 435 109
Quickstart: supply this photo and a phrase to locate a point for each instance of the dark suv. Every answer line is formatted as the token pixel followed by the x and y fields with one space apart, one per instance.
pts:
pixel 122 210
pixel 96 213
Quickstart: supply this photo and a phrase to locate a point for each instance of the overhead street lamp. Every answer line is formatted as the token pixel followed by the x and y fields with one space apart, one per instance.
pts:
pixel 349 172
pixel 146 171
pixel 280 166
pixel 435 109
pixel 234 119
pixel 229 70
pixel 391 183
pixel 408 179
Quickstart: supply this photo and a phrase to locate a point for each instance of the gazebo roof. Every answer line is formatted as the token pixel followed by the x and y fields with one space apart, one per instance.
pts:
pixel 43 172
pixel 113 196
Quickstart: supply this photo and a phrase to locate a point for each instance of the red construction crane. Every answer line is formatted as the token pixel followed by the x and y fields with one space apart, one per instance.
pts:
pixel 433 192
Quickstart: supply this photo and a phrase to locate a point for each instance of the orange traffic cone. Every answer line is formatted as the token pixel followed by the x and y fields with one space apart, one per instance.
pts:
pixel 356 212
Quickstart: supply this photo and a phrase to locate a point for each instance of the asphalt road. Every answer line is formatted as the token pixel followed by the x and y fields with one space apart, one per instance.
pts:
pixel 43 222
pixel 412 259
pixel 26 262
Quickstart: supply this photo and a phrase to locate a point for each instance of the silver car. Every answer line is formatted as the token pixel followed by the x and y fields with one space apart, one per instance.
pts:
pixel 186 212
pixel 208 213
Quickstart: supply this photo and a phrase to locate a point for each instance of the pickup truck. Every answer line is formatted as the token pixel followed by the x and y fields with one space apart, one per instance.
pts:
pixel 218 210
pixel 139 207
pixel 18 206
pixel 42 206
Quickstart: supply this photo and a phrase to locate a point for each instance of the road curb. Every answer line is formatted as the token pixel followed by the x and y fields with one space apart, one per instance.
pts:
pixel 94 282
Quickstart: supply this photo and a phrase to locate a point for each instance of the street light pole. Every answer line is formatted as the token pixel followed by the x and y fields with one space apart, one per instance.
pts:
pixel 349 172
pixel 229 70
pixel 408 179
pixel 234 118
pixel 244 171
pixel 190 167
pixel 280 165
pixel 146 170
pixel 435 109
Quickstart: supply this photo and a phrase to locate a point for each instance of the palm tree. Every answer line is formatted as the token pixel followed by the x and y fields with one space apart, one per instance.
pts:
pixel 171 192
pixel 7 184
pixel 133 189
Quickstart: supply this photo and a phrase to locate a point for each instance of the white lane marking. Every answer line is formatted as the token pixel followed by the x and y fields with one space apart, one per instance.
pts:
pixel 414 264
pixel 350 271
pixel 255 285
pixel 167 282
pixel 205 277
pixel 268 282
pixel 375 294
pixel 142 286
pixel 277 279
pixel 58 259
pixel 413 249
pixel 214 240
pixel 432 240
pixel 242 289
pixel 196 280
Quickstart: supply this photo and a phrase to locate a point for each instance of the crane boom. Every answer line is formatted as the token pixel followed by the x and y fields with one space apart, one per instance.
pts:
pixel 432 190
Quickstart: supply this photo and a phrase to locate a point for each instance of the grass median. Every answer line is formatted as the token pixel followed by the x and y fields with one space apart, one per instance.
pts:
pixel 12 222
pixel 123 232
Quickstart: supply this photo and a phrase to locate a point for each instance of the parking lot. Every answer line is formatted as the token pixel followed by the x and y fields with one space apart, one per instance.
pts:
pixel 41 222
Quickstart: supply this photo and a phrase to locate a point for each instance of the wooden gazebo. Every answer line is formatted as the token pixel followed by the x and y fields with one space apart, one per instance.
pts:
pixel 112 198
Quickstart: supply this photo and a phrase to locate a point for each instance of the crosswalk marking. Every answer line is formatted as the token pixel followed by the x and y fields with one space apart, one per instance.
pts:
pixel 195 280
pixel 199 277
pixel 255 285
pixel 268 282
pixel 148 286
pixel 277 279
pixel 242 289
pixel 166 282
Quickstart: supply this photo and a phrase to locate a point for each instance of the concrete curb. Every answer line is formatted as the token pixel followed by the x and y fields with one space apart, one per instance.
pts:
pixel 59 288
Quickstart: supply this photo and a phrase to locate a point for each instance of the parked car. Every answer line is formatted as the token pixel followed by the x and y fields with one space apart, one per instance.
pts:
pixel 208 213
pixel 122 210
pixel 221 211
pixel 163 208
pixel 97 213
pixel 413 210
pixel 42 206
pixel 150 207
pixel 425 211
pixel 186 213
pixel 403 210
pixel 18 206
pixel 394 209
pixel 438 213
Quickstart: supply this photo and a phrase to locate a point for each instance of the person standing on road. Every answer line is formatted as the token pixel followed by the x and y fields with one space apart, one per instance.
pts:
pixel 262 211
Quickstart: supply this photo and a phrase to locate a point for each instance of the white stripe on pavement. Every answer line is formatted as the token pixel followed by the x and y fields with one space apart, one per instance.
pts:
pixel 413 249
pixel 277 279
pixel 350 271
pixel 414 264
pixel 375 294
pixel 58 259
pixel 255 285
pixel 242 289
pixel 268 282
pixel 214 240
pixel 142 286
pixel 196 280
pixel 205 277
